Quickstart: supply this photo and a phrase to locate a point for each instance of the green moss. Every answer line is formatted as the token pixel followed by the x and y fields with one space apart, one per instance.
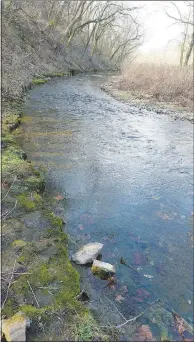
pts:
pixel 35 183
pixel 32 312
pixel 44 275
pixel 58 272
pixel 19 243
pixel 56 221
pixel 99 272
pixel 57 234
pixel 9 308
pixel 21 288
pixel 87 329
pixel 11 159
pixel 52 22
pixel 10 121
pixel 37 81
pixel 27 253
pixel 11 118
pixel 7 138
pixel 30 201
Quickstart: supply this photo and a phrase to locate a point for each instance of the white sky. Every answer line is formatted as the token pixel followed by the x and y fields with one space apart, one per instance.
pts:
pixel 159 31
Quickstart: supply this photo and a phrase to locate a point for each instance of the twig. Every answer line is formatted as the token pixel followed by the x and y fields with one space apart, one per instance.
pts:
pixel 116 308
pixel 80 294
pixel 33 294
pixel 20 273
pixel 141 314
pixel 72 240
pixel 9 188
pixel 47 287
pixel 9 284
pixel 4 181
pixel 103 315
pixel 123 262
pixel 10 210
pixel 170 308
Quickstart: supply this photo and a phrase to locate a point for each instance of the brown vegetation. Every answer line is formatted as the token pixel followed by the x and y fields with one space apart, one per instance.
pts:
pixel 45 37
pixel 168 83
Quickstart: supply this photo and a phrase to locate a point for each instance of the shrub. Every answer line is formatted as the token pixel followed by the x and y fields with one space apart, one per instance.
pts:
pixel 163 82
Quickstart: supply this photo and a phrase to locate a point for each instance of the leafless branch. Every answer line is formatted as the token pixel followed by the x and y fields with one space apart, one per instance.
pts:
pixel 10 282
pixel 33 294
pixel 7 213
pixel 9 188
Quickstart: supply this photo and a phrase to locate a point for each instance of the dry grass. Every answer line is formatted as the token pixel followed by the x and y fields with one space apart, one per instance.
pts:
pixel 162 82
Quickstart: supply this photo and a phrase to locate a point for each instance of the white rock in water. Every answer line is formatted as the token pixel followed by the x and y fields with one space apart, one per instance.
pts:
pixel 87 253
pixel 100 267
pixel 148 276
pixel 14 328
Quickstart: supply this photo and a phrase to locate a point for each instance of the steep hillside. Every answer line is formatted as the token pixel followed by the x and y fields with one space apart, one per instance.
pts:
pixel 29 49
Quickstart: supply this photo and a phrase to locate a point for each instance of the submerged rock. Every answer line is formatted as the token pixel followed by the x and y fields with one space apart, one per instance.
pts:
pixel 87 253
pixel 14 329
pixel 102 269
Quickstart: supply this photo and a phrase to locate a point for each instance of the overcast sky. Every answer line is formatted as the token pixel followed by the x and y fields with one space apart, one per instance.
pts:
pixel 159 31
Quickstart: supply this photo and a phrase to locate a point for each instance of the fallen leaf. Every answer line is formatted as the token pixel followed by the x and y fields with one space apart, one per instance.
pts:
pixel 119 298
pixel 144 334
pixel 59 197
pixel 138 299
pixel 179 323
pixel 142 293
pixel 139 258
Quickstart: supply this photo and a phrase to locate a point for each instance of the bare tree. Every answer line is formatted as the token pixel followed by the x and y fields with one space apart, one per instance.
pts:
pixel 107 27
pixel 186 20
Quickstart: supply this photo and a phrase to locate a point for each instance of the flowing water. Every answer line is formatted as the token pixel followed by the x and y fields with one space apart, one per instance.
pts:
pixel 126 175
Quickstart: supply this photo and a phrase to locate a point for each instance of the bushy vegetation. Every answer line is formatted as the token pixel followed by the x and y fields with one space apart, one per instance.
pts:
pixel 163 82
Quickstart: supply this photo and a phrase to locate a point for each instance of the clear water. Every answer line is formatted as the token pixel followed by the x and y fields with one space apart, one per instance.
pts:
pixel 127 177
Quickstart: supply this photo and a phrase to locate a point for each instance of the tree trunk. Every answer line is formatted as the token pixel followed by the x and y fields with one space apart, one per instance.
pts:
pixel 189 50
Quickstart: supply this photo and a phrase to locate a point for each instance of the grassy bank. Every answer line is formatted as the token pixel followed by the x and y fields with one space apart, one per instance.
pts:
pixel 38 278
pixel 165 87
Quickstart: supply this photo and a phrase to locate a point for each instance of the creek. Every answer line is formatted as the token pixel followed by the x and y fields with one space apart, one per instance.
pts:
pixel 126 176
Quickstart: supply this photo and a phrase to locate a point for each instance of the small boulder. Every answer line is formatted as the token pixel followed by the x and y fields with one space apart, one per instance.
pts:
pixel 14 328
pixel 102 269
pixel 87 253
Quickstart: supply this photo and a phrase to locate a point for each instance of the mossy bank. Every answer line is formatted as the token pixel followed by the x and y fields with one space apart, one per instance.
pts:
pixel 38 278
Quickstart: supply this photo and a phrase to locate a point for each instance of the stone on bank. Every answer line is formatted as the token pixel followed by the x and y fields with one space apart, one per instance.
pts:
pixel 87 253
pixel 14 329
pixel 102 269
